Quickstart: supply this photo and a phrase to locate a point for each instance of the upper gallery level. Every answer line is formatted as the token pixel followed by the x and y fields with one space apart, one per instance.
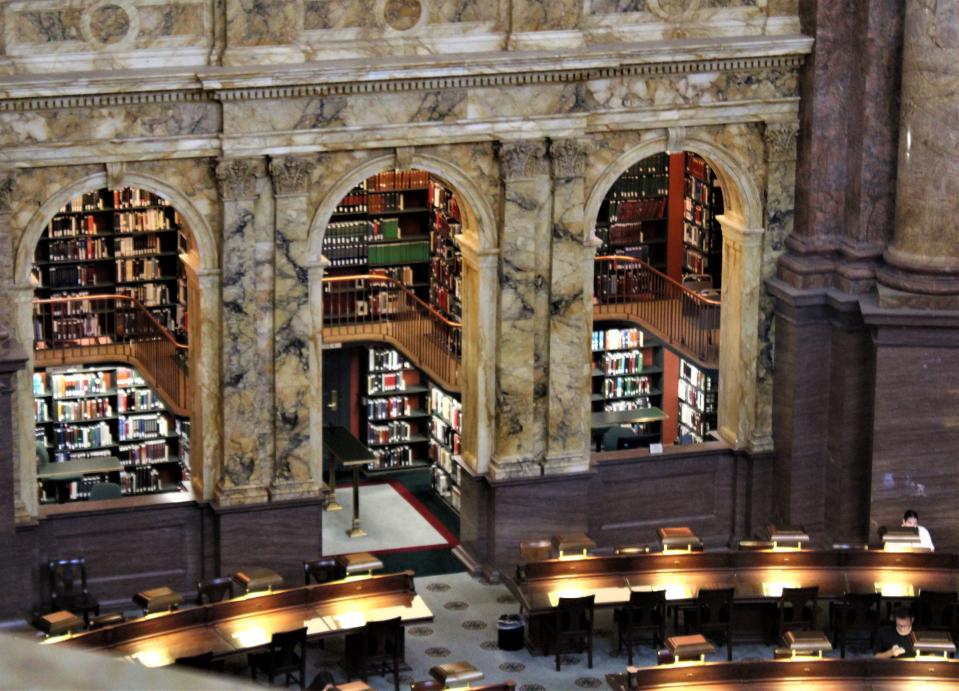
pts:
pixel 51 36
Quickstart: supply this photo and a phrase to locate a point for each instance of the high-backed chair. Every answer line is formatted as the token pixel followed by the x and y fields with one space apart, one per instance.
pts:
pixel 286 655
pixel 105 490
pixel 713 613
pixel 937 611
pixel 571 627
pixel 68 588
pixel 645 614
pixel 214 590
pixel 321 570
pixel 796 609
pixel 855 613
pixel 378 646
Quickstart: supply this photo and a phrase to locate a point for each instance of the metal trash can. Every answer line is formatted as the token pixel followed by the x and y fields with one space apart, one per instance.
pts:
pixel 510 632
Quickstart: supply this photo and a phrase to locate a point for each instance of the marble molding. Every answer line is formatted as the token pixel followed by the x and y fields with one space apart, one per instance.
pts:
pixel 924 255
pixel 292 475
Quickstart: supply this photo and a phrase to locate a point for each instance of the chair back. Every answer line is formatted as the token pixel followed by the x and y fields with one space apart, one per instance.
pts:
pixel 383 638
pixel 110 619
pixel 321 570
pixel 859 608
pixel 535 550
pixel 287 649
pixel 68 580
pixel 105 490
pixel 936 610
pixel 575 614
pixel 214 590
pixel 646 608
pixel 201 661
pixel 792 601
pixel 714 606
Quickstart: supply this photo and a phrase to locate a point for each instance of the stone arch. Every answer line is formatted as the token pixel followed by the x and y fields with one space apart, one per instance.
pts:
pixel 205 362
pixel 743 227
pixel 480 266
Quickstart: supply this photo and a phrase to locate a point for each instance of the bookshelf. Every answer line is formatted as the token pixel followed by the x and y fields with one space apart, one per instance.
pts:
pixel 702 233
pixel 628 374
pixel 103 424
pixel 633 216
pixel 396 422
pixel 125 241
pixel 698 394
pixel 446 419
pixel 402 224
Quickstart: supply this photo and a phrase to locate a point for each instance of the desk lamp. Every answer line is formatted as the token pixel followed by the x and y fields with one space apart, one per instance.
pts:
pixel 904 539
pixel 257 579
pixel 679 539
pixel 788 537
pixel 933 643
pixel 59 623
pixel 359 564
pixel 572 545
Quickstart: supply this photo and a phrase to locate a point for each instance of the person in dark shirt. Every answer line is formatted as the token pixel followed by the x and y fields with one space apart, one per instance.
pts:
pixel 896 640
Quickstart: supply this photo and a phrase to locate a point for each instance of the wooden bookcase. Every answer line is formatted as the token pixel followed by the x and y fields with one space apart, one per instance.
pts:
pixel 702 233
pixel 446 420
pixel 698 395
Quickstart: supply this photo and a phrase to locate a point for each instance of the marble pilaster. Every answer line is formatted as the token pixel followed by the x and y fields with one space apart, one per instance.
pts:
pixel 923 259
pixel 568 408
pixel 205 370
pixel 522 347
pixel 248 451
pixel 26 503
pixel 738 337
pixel 292 476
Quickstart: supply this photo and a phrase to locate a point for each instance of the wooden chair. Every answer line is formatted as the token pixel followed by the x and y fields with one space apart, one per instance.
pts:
pixel 856 612
pixel 214 590
pixel 713 613
pixel 645 613
pixel 286 655
pixel 105 490
pixel 321 570
pixel 378 646
pixel 796 610
pixel 68 588
pixel 937 611
pixel 571 627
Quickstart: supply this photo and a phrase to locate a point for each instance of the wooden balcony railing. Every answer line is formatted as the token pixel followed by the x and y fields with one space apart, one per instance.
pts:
pixel 113 328
pixel 629 288
pixel 376 307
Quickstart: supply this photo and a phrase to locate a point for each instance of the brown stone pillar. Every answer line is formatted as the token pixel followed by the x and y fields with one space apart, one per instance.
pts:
pixel 922 263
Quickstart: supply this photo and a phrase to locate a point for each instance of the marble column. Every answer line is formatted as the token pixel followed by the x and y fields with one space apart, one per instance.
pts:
pixel 26 502
pixel 922 263
pixel 479 351
pixel 292 476
pixel 738 337
pixel 247 375
pixel 207 426
pixel 522 343
pixel 315 271
pixel 568 407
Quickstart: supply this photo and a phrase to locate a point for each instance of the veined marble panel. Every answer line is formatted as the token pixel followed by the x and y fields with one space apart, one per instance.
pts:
pixel 263 22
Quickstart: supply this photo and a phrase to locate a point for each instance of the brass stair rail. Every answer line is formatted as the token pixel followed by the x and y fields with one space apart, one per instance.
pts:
pixel 110 328
pixel 629 288
pixel 373 306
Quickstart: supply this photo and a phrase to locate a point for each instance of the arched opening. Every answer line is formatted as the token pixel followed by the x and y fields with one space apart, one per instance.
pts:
pixel 397 305
pixel 670 279
pixel 112 283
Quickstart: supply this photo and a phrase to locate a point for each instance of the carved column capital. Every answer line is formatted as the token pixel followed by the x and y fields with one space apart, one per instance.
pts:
pixel 524 158
pixel 237 177
pixel 290 175
pixel 675 140
pixel 781 141
pixel 116 171
pixel 569 158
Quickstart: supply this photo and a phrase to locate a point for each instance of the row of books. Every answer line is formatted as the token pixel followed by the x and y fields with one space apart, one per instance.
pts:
pixel 127 197
pixel 381 383
pixel 68 276
pixel 620 387
pixel 148 294
pixel 693 397
pixel 694 261
pixel 86 409
pixel 445 435
pixel 137 400
pixel 694 212
pixel 696 189
pixel 696 376
pixel 637 209
pixel 392 432
pixel 392 407
pixel 128 222
pixel 41 411
pixel 446 407
pixel 621 362
pixel 140 480
pixel 389 201
pixel 617 339
pixel 75 250
pixel 390 180
pixel 627 404
pixel 86 437
pixel 386 359
pixel 353 203
pixel 76 384
pixel 698 237
pixel 143 426
pixel 632 232
pixel 144 452
pixel 413 251
pixel 135 246
pixel 393 456
pixel 69 328
pixel 402 274
pixel 447 461
pixel 139 269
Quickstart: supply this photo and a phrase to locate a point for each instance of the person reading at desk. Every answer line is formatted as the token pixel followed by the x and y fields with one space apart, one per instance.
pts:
pixel 896 640
pixel 910 519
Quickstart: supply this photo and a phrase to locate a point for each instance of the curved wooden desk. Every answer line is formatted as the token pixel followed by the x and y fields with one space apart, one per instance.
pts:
pixel 246 623
pixel 829 675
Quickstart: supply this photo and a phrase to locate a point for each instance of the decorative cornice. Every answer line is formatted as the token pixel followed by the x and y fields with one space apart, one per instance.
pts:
pixel 237 177
pixel 213 88
pixel 524 158
pixel 291 175
pixel 569 158
pixel 781 141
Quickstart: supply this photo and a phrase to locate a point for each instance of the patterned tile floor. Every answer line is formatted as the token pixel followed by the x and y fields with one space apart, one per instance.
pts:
pixel 465 612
